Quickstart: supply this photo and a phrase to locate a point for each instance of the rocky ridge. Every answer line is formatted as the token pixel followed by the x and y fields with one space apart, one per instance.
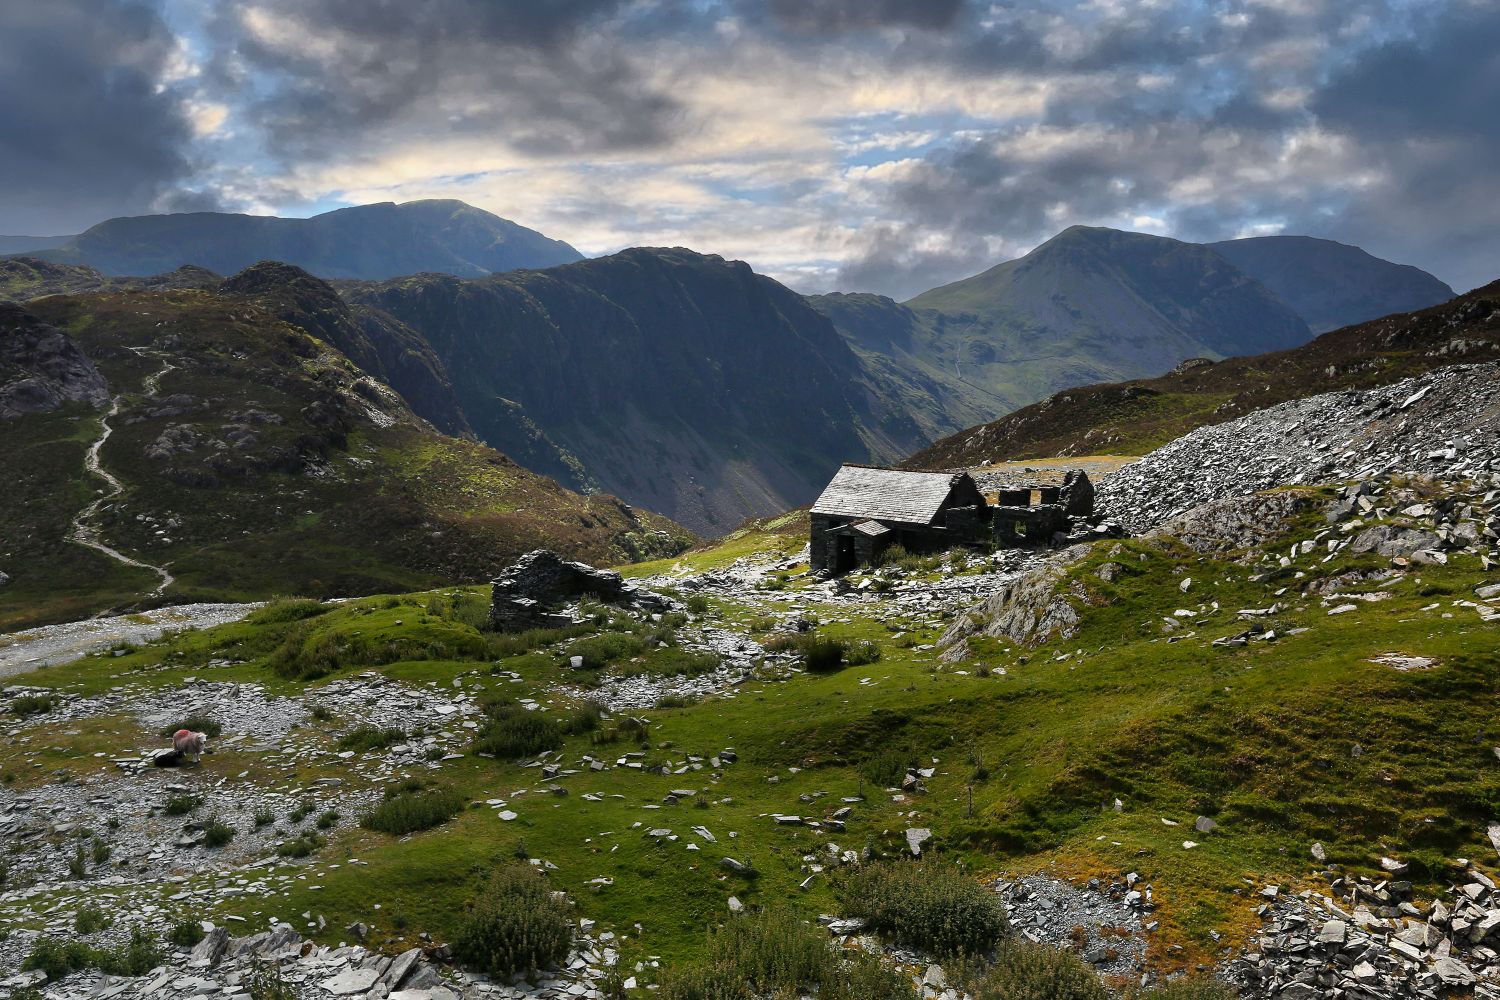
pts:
pixel 1443 423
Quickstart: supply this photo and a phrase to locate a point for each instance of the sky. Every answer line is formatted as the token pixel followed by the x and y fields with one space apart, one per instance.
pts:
pixel 860 145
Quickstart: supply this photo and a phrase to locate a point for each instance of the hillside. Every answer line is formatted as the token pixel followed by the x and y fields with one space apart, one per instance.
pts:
pixel 1332 285
pixel 1097 304
pixel 1135 417
pixel 368 241
pixel 1215 727
pixel 680 381
pixel 254 460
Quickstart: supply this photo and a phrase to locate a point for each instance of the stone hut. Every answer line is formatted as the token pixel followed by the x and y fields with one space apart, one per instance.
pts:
pixel 1033 508
pixel 865 511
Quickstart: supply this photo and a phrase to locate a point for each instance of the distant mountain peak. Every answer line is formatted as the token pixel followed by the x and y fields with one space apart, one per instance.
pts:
pixel 376 241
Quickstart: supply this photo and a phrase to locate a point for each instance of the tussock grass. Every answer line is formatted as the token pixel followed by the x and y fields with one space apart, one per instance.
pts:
pixel 931 906
pixel 364 739
pixel 514 925
pixel 410 807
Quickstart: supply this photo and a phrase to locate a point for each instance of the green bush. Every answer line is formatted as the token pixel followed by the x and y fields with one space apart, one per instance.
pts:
pixel 185 933
pixel 821 654
pixel 1026 971
pixel 58 958
pixel 600 651
pixel 327 819
pixel 287 609
pixel 697 603
pixel 78 863
pixel 934 907
pixel 407 809
pixel 515 924
pixel 300 846
pixel 264 817
pixel 363 739
pixel 181 805
pixel 773 953
pixel 33 704
pixel 512 732
pixel 196 724
pixel 886 769
pixel 217 833
pixel 265 983
pixel 89 920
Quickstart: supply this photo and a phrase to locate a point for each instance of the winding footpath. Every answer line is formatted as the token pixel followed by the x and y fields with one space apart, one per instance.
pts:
pixel 84 531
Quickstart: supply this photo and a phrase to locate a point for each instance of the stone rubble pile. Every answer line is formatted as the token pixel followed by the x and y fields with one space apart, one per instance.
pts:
pixel 1366 940
pixel 1443 423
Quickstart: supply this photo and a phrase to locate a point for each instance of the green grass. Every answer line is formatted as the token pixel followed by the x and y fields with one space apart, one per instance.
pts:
pixel 1030 748
pixel 412 806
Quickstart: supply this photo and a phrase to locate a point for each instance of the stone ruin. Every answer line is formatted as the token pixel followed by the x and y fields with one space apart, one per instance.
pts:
pixel 533 590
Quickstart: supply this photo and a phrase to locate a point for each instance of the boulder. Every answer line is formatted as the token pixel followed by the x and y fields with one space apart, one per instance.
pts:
pixel 533 588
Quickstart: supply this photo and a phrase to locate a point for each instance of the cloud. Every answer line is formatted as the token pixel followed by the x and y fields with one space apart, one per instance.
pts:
pixel 546 78
pixel 825 17
pixel 90 126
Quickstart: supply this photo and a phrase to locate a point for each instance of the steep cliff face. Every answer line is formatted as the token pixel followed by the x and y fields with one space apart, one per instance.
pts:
pixel 683 382
pixel 380 345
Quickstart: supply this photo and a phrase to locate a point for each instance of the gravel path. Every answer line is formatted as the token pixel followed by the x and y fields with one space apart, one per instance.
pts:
pixel 51 644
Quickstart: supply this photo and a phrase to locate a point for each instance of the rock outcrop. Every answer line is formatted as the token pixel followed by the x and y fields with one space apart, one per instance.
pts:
pixel 41 368
pixel 530 592
pixel 1030 609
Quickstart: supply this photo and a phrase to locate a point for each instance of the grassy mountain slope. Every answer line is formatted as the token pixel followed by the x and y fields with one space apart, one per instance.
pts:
pixel 1112 303
pixel 683 382
pixel 1332 285
pixel 1283 743
pixel 266 462
pixel 368 241
pixel 1132 418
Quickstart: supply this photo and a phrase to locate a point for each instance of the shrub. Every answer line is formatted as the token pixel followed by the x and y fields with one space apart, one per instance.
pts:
pixel 585 719
pixel 78 863
pixel 772 953
pixel 327 819
pixel 287 609
pixel 1026 971
pixel 58 958
pixel 859 654
pixel 185 933
pixel 674 662
pixel 512 732
pixel 265 983
pixel 407 809
pixel 300 846
pixel 886 769
pixel 1187 989
pixel 515 924
pixel 365 738
pixel 181 805
pixel 676 701
pixel 926 905
pixel 304 809
pixel 101 852
pixel 697 603
pixel 197 724
pixel 33 704
pixel 599 651
pixel 322 713
pixel 821 654
pixel 264 817
pixel 217 833
pixel 90 920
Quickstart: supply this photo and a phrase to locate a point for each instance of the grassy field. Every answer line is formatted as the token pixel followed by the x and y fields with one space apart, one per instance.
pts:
pixel 1071 757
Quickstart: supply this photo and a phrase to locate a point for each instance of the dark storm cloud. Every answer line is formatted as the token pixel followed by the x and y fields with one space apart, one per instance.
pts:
pixel 540 77
pixel 86 131
pixel 837 16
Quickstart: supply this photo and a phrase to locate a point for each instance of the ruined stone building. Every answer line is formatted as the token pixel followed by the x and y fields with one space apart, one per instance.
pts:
pixel 864 511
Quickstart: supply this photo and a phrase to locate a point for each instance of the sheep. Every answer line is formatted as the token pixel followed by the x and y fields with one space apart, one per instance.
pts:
pixel 185 741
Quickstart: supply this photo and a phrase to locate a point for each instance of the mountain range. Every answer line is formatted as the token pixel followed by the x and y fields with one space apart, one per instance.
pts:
pixel 688 384
pixel 368 241
pixel 255 456
pixel 1134 417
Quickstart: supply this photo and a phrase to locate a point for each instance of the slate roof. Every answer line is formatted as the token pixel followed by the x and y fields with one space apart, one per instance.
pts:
pixel 872 528
pixel 886 494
